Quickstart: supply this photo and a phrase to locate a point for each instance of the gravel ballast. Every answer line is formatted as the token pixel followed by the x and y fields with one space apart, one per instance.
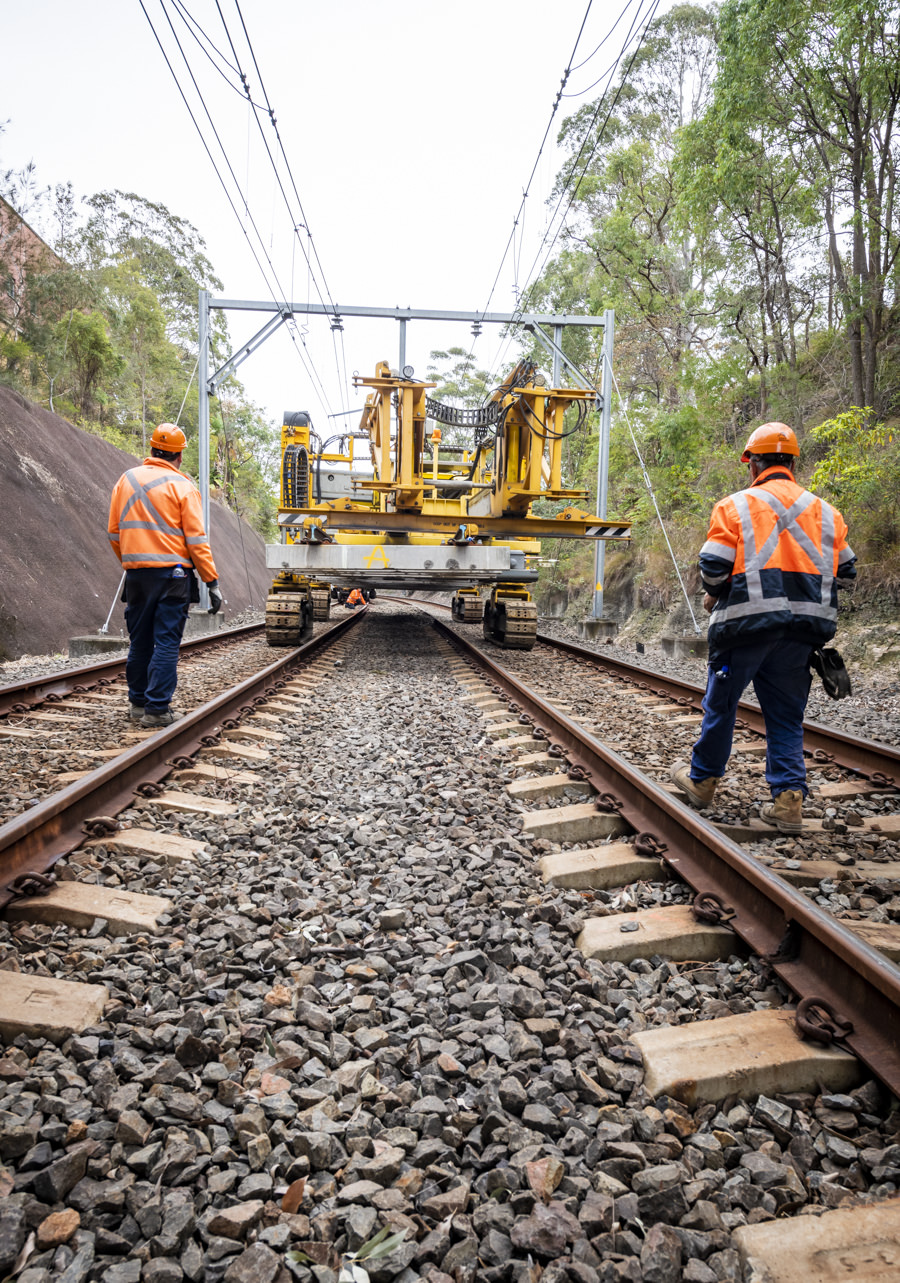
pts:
pixel 364 1010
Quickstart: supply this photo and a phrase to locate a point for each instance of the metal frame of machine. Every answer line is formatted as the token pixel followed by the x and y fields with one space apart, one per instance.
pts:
pixel 420 514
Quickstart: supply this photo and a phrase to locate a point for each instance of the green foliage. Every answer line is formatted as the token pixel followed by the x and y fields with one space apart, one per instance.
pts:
pixel 740 216
pixel 861 469
pixel 109 334
pixel 92 355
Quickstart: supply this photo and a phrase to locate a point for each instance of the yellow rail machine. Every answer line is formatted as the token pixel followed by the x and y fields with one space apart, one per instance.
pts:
pixel 418 513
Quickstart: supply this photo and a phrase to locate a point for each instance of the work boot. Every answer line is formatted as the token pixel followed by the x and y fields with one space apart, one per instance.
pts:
pixel 151 721
pixel 136 712
pixel 785 811
pixel 700 793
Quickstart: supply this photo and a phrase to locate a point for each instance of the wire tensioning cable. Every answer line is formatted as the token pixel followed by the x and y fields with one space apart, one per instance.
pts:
pixel 649 484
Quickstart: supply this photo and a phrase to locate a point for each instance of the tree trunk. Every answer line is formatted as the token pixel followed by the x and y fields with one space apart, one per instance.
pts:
pixel 851 314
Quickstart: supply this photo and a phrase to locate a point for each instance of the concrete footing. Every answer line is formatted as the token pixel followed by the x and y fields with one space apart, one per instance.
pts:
pixel 200 622
pixel 95 644
pixel 596 629
pixel 687 646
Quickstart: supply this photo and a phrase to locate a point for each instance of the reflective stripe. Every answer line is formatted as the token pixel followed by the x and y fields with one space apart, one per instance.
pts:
pixel 169 558
pixel 195 539
pixel 723 550
pixel 786 523
pixel 148 525
pixel 774 604
pixel 743 608
pixel 754 586
pixel 113 538
pixel 818 609
pixel 140 493
pixel 714 579
pixel 827 555
pixel 845 555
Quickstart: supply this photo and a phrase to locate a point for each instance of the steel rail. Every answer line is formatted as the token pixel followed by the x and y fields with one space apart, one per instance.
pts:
pixel 33 841
pixel 869 758
pixel 864 757
pixel 35 691
pixel 812 952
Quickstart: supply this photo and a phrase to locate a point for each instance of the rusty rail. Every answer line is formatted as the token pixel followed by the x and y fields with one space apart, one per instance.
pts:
pixel 33 841
pixel 812 952
pixel 864 757
pixel 35 691
pixel 868 758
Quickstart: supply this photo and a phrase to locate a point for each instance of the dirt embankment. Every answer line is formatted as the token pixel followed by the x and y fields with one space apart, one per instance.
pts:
pixel 58 576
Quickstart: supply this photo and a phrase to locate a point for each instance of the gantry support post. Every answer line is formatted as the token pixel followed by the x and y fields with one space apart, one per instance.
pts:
pixel 203 420
pixel 609 319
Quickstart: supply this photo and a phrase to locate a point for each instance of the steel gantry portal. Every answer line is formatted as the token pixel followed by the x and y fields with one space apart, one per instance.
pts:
pixel 546 328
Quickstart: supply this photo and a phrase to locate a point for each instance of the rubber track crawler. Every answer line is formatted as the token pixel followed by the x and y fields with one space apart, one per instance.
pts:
pixel 321 601
pixel 289 613
pixel 510 619
pixel 467 606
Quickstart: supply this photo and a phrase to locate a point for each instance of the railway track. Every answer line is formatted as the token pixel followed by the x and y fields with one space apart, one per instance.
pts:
pixel 862 756
pixel 55 726
pixel 361 988
pixel 32 693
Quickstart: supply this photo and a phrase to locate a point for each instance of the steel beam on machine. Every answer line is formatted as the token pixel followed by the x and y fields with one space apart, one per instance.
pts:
pixel 407 523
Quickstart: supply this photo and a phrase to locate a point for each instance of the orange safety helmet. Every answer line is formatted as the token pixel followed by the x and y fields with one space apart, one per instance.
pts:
pixel 771 438
pixel 169 438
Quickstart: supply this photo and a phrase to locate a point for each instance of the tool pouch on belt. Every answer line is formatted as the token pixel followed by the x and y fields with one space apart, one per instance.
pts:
pixel 827 662
pixel 180 585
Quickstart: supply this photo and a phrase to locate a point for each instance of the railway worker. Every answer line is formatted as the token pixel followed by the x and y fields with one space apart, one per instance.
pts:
pixel 355 599
pixel 156 531
pixel 770 566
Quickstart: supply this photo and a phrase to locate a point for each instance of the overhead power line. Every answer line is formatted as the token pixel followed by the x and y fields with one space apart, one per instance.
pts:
pixel 276 291
pixel 300 222
pixel 572 189
pixel 567 185
pixel 527 188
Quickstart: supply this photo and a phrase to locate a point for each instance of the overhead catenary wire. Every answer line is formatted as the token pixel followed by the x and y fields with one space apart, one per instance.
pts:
pixel 520 213
pixel 202 39
pixel 586 60
pixel 522 289
pixel 522 292
pixel 598 139
pixel 296 223
pixel 310 364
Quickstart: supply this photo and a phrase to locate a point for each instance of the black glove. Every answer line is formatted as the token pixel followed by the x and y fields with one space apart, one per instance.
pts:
pixel 215 598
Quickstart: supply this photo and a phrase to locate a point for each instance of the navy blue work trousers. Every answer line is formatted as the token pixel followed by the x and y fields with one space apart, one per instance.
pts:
pixel 779 671
pixel 156 611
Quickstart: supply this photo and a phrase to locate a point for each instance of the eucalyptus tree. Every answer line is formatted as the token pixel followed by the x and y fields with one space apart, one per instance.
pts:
pixel 625 246
pixel 817 82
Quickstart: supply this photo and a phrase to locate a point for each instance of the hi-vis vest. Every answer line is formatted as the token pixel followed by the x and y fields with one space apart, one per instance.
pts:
pixel 772 556
pixel 156 520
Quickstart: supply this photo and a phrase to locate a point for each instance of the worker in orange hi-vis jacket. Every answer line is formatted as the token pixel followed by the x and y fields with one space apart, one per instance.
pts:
pixel 354 599
pixel 156 531
pixel 771 566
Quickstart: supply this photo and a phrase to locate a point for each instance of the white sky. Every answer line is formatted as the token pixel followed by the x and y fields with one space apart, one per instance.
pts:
pixel 410 127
